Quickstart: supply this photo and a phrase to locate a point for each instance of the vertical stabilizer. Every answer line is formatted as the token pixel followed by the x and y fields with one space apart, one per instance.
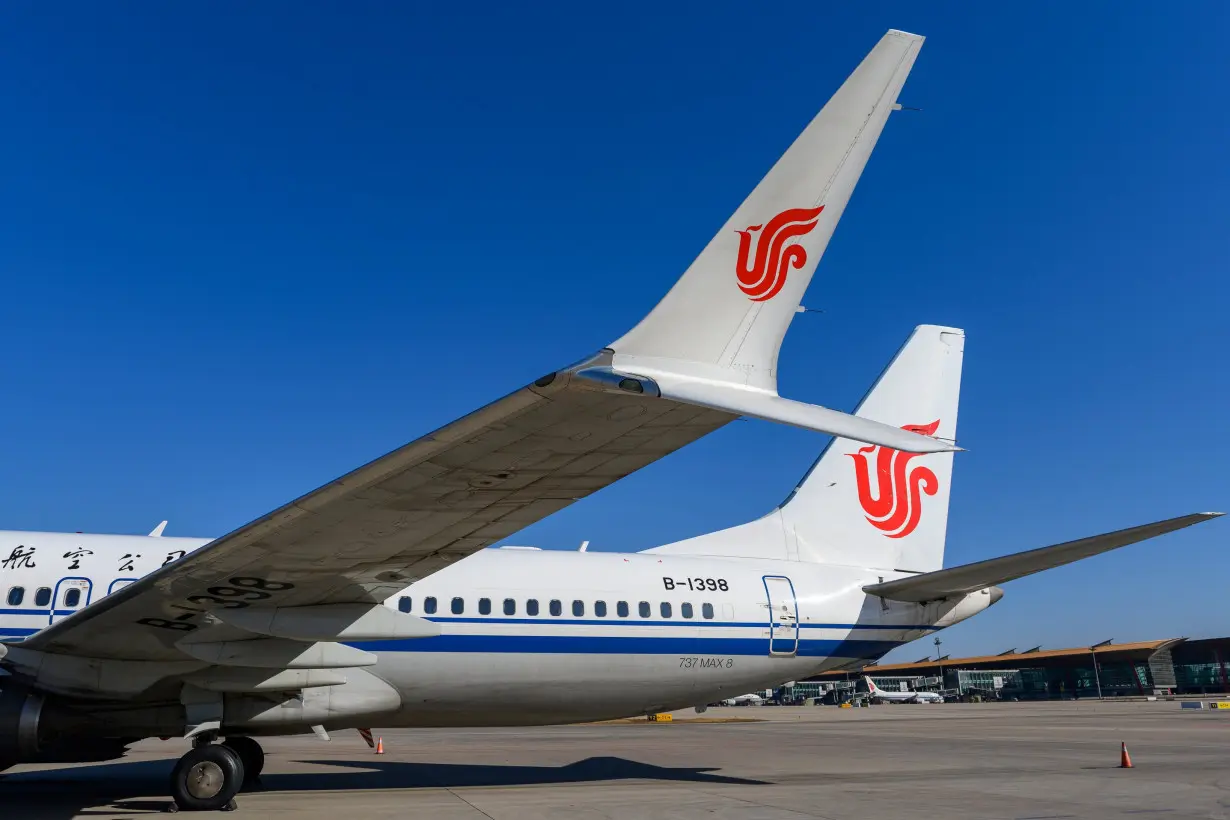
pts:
pixel 862 505
pixel 871 506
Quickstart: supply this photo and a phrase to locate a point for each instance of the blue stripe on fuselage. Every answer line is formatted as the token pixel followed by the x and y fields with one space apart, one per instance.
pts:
pixel 622 645
pixel 567 621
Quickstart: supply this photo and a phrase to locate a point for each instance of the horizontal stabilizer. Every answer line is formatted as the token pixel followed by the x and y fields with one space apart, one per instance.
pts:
pixel 946 583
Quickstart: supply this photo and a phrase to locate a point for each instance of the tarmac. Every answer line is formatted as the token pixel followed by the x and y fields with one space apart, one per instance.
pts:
pixel 1026 761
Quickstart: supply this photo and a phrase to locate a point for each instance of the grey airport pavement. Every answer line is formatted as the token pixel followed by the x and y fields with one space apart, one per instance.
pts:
pixel 1027 761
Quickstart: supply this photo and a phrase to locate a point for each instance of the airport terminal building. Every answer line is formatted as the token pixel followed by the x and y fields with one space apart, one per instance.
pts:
pixel 1176 666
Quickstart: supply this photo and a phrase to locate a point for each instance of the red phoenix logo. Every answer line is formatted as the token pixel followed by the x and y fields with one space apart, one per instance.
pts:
pixel 899 506
pixel 767 273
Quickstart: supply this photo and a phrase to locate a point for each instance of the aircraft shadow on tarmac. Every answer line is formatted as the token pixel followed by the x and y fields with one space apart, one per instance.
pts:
pixel 140 786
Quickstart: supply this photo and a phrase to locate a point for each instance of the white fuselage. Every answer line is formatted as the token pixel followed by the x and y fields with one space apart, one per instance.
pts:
pixel 695 629
pixel 907 697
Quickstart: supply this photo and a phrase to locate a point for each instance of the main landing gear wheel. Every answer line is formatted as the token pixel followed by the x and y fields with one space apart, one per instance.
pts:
pixel 252 756
pixel 207 779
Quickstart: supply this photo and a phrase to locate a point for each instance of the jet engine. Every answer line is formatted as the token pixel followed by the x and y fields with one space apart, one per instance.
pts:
pixel 36 728
pixel 20 713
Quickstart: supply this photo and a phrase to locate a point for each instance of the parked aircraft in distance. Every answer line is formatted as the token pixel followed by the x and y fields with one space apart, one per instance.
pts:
pixel 904 696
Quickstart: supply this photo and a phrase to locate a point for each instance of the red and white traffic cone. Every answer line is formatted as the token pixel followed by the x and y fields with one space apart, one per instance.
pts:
pixel 1125 760
pixel 380 746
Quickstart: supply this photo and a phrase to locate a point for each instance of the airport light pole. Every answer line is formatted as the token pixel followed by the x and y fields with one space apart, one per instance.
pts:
pixel 1093 652
pixel 939 659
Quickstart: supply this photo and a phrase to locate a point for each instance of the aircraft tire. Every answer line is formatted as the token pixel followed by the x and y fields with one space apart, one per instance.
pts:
pixel 252 755
pixel 207 778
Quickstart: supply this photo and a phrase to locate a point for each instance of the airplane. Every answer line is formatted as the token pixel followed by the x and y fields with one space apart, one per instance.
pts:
pixel 750 699
pixel 877 693
pixel 377 600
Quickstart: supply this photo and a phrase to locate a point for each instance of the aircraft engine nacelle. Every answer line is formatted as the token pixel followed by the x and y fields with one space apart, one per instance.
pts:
pixel 38 728
pixel 954 610
pixel 20 713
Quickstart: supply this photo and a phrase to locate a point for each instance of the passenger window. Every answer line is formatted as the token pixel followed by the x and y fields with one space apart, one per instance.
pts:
pixel 685 610
pixel 643 608
pixel 706 611
pixel 621 609
pixel 484 606
pixel 578 609
pixel 600 608
pixel 72 598
pixel 459 606
pixel 510 606
pixel 404 604
pixel 429 606
pixel 665 610
pixel 531 606
pixel 16 595
pixel 43 596
pixel 557 608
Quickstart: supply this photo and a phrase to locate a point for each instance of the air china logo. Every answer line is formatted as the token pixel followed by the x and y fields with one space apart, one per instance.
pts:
pixel 898 507
pixel 767 273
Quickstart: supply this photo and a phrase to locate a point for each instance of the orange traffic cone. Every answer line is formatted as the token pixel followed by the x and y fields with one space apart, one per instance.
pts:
pixel 1125 760
pixel 380 747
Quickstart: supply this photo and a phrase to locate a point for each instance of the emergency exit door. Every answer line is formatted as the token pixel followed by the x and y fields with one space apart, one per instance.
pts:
pixel 783 616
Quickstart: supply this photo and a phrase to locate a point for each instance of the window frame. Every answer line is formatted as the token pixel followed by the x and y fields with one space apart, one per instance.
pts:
pixel 16 592
pixel 686 611
pixel 42 596
pixel 599 609
pixel 706 611
pixel 430 605
pixel 510 606
pixel 531 607
pixel 405 604
pixel 457 606
pixel 644 609
pixel 556 608
pixel 622 609
pixel 484 606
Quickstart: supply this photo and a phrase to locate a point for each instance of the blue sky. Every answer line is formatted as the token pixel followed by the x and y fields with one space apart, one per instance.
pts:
pixel 246 247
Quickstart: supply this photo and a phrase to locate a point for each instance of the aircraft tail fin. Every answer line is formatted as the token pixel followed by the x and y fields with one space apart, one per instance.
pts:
pixel 726 317
pixel 877 507
pixel 870 506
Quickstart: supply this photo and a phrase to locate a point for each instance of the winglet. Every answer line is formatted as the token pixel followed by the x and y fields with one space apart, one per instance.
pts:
pixel 156 532
pixel 727 316
pixel 714 339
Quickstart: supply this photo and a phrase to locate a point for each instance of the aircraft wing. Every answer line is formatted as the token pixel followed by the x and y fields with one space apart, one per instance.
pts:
pixel 946 583
pixel 374 531
pixel 705 355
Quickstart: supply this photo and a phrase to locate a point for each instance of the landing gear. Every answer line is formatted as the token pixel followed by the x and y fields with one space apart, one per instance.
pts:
pixel 207 778
pixel 252 756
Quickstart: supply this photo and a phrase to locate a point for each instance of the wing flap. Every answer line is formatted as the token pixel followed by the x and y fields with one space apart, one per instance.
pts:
pixel 962 580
